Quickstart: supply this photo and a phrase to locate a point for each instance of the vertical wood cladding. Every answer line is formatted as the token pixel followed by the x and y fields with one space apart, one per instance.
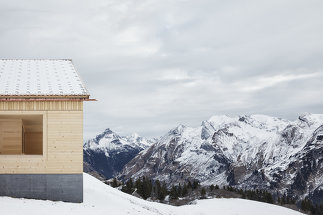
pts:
pixel 62 139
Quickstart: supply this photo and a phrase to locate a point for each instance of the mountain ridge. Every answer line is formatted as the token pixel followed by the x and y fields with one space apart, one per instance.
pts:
pixel 250 151
pixel 108 152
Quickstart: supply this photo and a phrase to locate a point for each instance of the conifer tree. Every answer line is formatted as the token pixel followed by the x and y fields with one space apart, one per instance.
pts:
pixel 129 187
pixel 185 190
pixel 195 184
pixel 114 183
pixel 139 187
pixel 269 197
pixel 179 190
pixel 203 193
pixel 189 185
pixel 173 193
pixel 161 190
pixel 212 187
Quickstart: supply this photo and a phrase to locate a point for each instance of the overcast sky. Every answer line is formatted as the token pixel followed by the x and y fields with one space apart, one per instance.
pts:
pixel 155 64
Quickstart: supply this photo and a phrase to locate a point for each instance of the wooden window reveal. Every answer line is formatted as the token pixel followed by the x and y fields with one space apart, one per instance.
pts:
pixel 21 134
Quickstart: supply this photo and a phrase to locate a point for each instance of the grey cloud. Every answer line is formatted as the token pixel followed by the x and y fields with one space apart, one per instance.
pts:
pixel 155 64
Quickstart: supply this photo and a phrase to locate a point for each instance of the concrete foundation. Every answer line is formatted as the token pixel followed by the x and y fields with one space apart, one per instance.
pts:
pixel 56 187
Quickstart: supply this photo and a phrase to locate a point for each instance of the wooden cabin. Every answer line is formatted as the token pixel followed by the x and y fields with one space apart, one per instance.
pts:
pixel 41 130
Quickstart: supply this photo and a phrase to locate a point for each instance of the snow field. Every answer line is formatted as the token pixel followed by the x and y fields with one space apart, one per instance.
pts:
pixel 103 199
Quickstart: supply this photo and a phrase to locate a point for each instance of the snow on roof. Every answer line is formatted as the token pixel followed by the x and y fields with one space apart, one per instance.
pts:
pixel 40 78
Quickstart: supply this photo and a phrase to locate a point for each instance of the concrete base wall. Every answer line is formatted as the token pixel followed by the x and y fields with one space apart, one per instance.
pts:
pixel 56 187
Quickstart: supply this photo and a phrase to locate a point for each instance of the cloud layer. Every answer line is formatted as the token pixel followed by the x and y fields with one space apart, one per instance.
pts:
pixel 155 64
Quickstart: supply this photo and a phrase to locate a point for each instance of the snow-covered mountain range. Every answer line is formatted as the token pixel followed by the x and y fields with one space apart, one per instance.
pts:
pixel 255 151
pixel 108 152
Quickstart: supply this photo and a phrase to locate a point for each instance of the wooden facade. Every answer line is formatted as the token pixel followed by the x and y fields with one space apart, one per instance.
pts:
pixel 41 129
pixel 61 133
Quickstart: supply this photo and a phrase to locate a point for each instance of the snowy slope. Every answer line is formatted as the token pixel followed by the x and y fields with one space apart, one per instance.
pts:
pixel 108 152
pixel 255 151
pixel 102 199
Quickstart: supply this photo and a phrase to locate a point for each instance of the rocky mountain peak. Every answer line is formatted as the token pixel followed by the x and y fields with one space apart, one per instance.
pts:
pixel 233 150
pixel 309 119
pixel 177 130
pixel 108 152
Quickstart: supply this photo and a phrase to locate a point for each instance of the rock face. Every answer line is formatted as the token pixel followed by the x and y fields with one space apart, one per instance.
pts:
pixel 255 151
pixel 107 154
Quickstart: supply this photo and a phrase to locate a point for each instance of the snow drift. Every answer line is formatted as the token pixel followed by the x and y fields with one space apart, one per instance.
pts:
pixel 103 199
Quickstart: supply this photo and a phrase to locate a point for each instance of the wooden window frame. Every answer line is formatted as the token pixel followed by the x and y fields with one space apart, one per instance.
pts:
pixel 19 156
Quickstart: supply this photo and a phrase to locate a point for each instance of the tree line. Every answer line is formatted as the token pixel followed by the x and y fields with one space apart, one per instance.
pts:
pixel 305 205
pixel 308 206
pixel 148 188
pixel 155 189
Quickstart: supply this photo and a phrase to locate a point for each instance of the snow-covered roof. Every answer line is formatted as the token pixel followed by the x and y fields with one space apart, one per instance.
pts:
pixel 40 78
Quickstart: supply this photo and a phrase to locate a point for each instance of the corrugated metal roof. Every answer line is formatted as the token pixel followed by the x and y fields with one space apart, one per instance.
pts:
pixel 40 78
